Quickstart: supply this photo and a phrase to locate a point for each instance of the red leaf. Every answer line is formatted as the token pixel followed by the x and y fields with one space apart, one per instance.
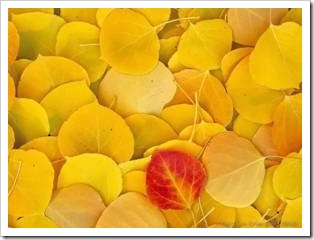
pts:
pixel 174 179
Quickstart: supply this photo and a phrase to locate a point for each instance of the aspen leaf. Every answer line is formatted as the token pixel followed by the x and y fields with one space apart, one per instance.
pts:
pixel 287 127
pixel 13 43
pixel 128 94
pixel 255 20
pixel 78 94
pixel 244 127
pixel 249 217
pixel 131 210
pixel 292 215
pixel 46 73
pixel 200 133
pixel 76 41
pixel 11 137
pixel 94 169
pixel 28 119
pixel 174 63
pixel 79 14
pixel 78 205
pixel 101 15
pixel 167 48
pixel 276 61
pixel 135 164
pixel 201 47
pixel 188 147
pixel 18 68
pixel 33 221
pixel 178 218
pixel 37 32
pixel 287 178
pixel 126 39
pixel 254 102
pixel 14 11
pixel 174 179
pixel 135 181
pixel 27 194
pixel 106 132
pixel 229 166
pixel 293 15
pixel 182 115
pixel 11 92
pixel 268 201
pixel 155 16
pixel 148 131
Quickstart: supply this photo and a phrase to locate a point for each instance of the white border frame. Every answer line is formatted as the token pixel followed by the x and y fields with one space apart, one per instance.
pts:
pixel 304 231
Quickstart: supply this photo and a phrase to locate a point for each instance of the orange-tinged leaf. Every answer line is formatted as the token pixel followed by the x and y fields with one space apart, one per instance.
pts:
pixel 13 43
pixel 276 61
pixel 255 20
pixel 126 39
pixel 131 210
pixel 287 127
pixel 254 102
pixel 235 170
pixel 174 179
pixel 76 206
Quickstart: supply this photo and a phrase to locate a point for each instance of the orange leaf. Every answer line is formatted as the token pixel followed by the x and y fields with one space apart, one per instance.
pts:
pixel 174 179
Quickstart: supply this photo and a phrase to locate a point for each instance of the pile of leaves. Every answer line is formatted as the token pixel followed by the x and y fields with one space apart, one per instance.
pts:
pixel 155 117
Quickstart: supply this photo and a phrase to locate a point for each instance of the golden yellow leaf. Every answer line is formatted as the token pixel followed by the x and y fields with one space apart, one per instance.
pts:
pixel 134 164
pixel 168 47
pixel 11 92
pixel 37 32
pixel 32 221
pixel 75 206
pixel 148 131
pixel 293 15
pixel 101 15
pixel 18 68
pixel 235 176
pixel 244 127
pixel 96 170
pixel 200 46
pixel 105 132
pixel 126 39
pixel 127 94
pixel 11 137
pixel 77 95
pixel 30 182
pixel 287 127
pixel 13 43
pixel 79 14
pixel 155 16
pixel 182 115
pixel 276 61
pixel 131 210
pixel 46 73
pixel 254 102
pixel 248 24
pixel 174 63
pixel 249 217
pixel 28 119
pixel 135 181
pixel 79 41
pixel 292 215
pixel 14 11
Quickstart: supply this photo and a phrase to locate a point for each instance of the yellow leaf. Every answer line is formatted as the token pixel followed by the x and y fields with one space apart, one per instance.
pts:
pixel 11 137
pixel 180 145
pixel 174 63
pixel 30 182
pixel 254 102
pixel 28 119
pixel 79 41
pixel 182 115
pixel 201 133
pixel 287 127
pixel 13 43
pixel 135 164
pixel 292 216
pixel 126 39
pixel 231 59
pixel 268 202
pixel 148 130
pixel 167 48
pixel 255 20
pixel 32 221
pixel 76 206
pixel 11 92
pixel 128 94
pixel 79 14
pixel 234 176
pixel 201 47
pixel 155 16
pixel 101 15
pixel 46 73
pixel 287 178
pixel 135 181
pixel 293 15
pixel 131 210
pixel 58 110
pixel 105 132
pixel 18 68
pixel 244 127
pixel 96 170
pixel 14 11
pixel 249 217
pixel 37 32
pixel 276 61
